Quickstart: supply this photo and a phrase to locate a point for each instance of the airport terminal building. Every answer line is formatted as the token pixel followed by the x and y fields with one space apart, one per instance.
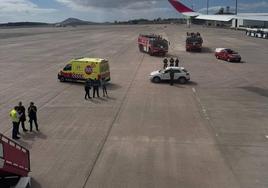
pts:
pixel 234 23
pixel 242 23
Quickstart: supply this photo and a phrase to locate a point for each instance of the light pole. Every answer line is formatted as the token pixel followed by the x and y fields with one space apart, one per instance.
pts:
pixel 236 13
pixel 207 6
pixel 235 7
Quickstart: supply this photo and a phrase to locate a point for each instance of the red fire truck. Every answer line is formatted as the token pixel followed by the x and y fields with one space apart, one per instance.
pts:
pixel 194 42
pixel 14 164
pixel 153 44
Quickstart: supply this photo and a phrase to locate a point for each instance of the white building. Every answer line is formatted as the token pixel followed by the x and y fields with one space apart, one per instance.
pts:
pixel 254 21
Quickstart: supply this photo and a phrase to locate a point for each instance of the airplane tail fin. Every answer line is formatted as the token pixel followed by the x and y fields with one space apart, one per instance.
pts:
pixel 182 8
pixel 179 6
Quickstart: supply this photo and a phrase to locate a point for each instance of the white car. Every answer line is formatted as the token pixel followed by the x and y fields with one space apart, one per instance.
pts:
pixel 180 74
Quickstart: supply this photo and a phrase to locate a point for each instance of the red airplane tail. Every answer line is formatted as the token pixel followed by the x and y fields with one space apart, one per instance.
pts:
pixel 180 7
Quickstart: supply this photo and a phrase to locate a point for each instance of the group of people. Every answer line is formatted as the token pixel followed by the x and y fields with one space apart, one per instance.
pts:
pixel 96 84
pixel 18 116
pixel 171 61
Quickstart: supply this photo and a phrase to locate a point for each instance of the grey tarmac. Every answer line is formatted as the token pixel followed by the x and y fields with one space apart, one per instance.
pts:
pixel 211 132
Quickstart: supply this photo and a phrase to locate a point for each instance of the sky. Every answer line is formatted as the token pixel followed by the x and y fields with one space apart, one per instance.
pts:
pixel 53 11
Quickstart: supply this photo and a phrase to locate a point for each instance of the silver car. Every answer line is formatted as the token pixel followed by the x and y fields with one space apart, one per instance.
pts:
pixel 180 74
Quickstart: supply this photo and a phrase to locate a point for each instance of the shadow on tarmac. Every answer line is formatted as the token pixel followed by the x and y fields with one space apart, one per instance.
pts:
pixel 98 100
pixel 173 55
pixel 102 99
pixel 30 136
pixel 207 50
pixel 176 82
pixel 33 135
pixel 110 86
pixel 259 91
pixel 203 50
pixel 93 101
pixel 235 62
pixel 113 86
pixel 35 184
pixel 192 83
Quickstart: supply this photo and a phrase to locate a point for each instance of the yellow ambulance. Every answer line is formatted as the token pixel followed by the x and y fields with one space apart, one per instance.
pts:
pixel 81 69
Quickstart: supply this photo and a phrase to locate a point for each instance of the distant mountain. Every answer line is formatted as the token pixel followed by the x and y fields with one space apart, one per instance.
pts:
pixel 23 24
pixel 68 22
pixel 77 22
pixel 74 22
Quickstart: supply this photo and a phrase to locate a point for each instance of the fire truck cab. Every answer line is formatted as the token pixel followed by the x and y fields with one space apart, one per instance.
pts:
pixel 153 44
pixel 194 42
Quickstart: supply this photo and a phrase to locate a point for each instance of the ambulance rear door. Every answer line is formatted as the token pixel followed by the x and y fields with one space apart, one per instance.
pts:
pixel 105 70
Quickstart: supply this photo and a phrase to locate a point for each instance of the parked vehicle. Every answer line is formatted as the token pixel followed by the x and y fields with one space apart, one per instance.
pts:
pixel 194 42
pixel 14 164
pixel 180 74
pixel 227 55
pixel 257 32
pixel 81 69
pixel 153 44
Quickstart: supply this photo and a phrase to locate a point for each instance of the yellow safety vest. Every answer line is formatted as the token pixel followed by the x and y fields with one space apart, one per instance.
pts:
pixel 14 116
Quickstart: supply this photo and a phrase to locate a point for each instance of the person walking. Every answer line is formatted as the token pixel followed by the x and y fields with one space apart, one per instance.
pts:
pixel 32 111
pixel 171 62
pixel 21 111
pixel 177 62
pixel 87 89
pixel 96 84
pixel 15 118
pixel 165 62
pixel 171 74
pixel 104 89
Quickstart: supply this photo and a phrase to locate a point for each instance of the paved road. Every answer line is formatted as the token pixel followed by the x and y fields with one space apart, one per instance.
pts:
pixel 208 133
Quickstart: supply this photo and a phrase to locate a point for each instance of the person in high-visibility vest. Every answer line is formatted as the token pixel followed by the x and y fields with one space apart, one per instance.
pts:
pixel 15 118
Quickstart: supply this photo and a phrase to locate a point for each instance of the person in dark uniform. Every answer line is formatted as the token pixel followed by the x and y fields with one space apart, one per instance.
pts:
pixel 165 61
pixel 171 74
pixel 87 89
pixel 104 89
pixel 171 62
pixel 177 62
pixel 96 85
pixel 21 111
pixel 32 110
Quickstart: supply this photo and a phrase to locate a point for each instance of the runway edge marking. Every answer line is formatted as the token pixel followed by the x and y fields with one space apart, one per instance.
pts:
pixel 102 144
pixel 203 112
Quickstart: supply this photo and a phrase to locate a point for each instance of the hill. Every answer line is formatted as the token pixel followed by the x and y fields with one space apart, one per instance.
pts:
pixel 23 24
pixel 73 22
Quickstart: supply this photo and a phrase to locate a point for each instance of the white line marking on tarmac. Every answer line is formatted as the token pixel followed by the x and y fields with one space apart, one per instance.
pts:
pixel 204 111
